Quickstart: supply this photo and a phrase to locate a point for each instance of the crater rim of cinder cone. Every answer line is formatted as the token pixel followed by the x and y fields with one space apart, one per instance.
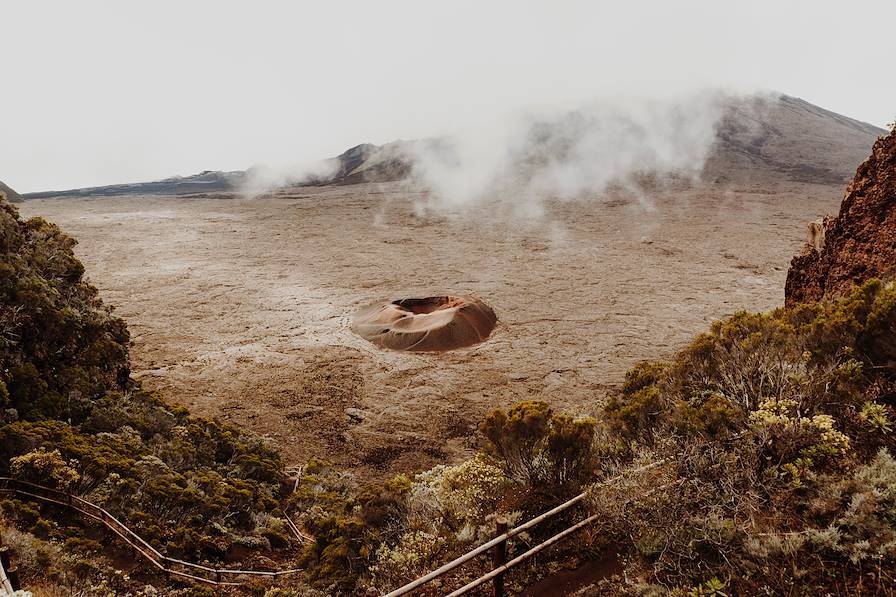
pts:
pixel 428 324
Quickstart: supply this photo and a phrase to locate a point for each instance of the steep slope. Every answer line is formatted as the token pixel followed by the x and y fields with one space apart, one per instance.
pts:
pixel 858 244
pixel 57 340
pixel 783 137
pixel 10 194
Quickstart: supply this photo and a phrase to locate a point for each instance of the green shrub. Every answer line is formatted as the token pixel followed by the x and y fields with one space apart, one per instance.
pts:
pixel 47 468
pixel 277 539
pixel 200 591
pixel 42 528
pixel 537 448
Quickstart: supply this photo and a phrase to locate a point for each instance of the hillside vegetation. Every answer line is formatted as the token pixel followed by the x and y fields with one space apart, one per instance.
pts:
pixel 73 419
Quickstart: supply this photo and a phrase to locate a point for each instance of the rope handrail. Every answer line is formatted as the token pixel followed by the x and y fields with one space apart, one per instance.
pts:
pixel 140 545
pixel 463 559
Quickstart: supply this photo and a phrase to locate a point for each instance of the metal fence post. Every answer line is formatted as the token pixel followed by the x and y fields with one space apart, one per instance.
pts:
pixel 499 556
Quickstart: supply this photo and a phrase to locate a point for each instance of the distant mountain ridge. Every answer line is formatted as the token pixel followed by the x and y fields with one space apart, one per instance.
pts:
pixel 204 182
pixel 759 138
pixel 10 194
pixel 789 137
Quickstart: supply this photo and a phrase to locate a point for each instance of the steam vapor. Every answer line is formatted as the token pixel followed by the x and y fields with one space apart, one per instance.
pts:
pixel 545 154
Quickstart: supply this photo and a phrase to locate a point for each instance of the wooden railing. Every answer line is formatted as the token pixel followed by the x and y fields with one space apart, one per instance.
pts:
pixel 6 587
pixel 215 576
pixel 167 565
pixel 499 544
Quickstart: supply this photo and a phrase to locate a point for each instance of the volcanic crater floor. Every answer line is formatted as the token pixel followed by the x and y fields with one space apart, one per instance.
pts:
pixel 241 308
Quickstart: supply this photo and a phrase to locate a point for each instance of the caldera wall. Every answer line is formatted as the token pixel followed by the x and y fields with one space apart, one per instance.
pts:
pixel 860 243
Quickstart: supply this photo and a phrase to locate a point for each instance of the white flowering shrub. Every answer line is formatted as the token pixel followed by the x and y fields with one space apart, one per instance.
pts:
pixel 783 414
pixel 447 508
pixel 465 492
pixel 412 556
pixel 45 466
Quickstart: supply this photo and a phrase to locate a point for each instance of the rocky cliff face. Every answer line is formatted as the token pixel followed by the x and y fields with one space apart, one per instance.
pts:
pixel 9 194
pixel 858 244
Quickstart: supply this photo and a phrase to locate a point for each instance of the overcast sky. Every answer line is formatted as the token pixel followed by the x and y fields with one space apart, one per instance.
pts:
pixel 104 92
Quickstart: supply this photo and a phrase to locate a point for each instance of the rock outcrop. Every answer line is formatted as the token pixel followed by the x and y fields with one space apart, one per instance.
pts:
pixel 858 244
pixel 9 194
pixel 368 163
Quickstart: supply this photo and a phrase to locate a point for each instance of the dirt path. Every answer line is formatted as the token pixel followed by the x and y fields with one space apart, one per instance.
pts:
pixel 240 307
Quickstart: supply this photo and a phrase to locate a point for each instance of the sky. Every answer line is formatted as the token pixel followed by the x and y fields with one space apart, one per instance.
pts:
pixel 105 92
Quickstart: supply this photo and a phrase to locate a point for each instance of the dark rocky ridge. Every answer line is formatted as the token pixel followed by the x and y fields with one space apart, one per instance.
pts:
pixel 368 163
pixel 858 244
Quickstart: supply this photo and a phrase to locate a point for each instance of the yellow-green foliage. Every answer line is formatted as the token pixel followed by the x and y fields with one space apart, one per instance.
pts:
pixel 877 415
pixel 635 411
pixel 823 359
pixel 462 494
pixel 349 523
pixel 769 418
pixel 415 553
pixel 548 452
pixel 45 467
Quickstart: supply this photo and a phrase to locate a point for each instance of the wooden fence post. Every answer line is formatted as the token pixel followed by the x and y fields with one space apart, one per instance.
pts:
pixel 4 557
pixel 13 575
pixel 499 556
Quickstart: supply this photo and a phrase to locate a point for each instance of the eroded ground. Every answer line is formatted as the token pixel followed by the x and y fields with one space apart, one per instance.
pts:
pixel 241 308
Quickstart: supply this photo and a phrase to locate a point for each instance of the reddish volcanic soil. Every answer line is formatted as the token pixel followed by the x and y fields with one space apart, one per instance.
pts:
pixel 241 308
pixel 431 324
